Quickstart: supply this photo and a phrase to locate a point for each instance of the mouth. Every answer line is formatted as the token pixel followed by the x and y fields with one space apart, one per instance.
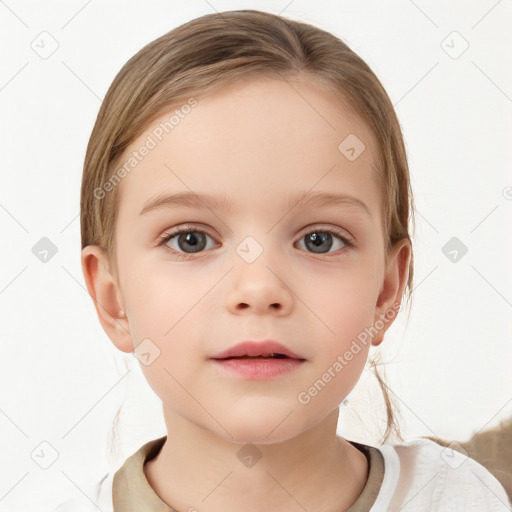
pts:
pixel 268 349
pixel 258 360
pixel 263 356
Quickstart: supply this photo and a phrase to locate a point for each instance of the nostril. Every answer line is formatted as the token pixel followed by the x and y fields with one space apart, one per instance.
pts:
pixel 275 305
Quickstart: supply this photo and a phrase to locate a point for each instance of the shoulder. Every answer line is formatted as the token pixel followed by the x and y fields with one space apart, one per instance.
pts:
pixel 97 496
pixel 429 476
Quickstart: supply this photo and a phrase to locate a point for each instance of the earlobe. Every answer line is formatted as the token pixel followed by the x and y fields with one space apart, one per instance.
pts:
pixel 107 298
pixel 393 286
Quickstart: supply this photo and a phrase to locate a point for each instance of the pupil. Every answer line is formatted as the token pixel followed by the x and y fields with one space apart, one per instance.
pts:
pixel 315 241
pixel 191 239
pixel 196 242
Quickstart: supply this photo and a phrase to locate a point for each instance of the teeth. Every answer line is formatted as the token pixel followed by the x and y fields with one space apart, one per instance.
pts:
pixel 273 355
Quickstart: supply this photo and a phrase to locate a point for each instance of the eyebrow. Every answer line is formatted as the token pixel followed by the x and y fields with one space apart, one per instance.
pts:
pixel 225 204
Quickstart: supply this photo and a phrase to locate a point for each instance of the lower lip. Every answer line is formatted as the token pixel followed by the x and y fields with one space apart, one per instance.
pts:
pixel 260 369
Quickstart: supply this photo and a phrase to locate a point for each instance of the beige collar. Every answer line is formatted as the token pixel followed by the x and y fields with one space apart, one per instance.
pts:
pixel 131 490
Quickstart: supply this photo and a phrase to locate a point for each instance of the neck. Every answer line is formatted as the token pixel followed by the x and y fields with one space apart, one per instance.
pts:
pixel 316 470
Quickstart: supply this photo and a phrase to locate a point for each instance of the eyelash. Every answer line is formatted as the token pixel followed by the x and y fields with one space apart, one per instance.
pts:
pixel 189 229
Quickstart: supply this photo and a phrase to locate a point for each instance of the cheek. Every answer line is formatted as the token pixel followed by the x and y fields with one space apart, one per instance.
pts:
pixel 159 299
pixel 163 307
pixel 170 307
pixel 344 303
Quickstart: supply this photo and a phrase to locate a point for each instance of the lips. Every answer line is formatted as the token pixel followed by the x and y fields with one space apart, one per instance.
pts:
pixel 257 349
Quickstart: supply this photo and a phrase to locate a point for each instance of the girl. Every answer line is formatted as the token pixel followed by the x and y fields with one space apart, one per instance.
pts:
pixel 244 216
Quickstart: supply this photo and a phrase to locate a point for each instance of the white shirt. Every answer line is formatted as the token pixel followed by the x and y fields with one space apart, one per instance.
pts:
pixel 419 475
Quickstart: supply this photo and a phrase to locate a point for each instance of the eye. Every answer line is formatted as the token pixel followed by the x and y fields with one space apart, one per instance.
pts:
pixel 186 241
pixel 321 241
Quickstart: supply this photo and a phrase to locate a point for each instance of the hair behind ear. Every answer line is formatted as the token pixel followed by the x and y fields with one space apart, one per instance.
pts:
pixel 393 427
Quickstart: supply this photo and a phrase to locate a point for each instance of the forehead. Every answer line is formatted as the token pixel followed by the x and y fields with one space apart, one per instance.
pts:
pixel 252 140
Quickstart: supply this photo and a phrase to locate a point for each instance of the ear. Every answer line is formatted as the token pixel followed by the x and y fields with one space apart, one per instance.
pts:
pixel 107 297
pixel 393 286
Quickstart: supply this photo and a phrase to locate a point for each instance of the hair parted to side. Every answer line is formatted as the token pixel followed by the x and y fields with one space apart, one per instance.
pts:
pixel 207 52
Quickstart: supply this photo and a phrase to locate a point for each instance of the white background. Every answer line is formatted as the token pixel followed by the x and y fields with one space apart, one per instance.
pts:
pixel 62 379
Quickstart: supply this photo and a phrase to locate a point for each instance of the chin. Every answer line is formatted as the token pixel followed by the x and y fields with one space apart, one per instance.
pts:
pixel 261 425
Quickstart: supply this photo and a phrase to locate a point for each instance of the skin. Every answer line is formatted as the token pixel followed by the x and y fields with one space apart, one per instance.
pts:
pixel 256 141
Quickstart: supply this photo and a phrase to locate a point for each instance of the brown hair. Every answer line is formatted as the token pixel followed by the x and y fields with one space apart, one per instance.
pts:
pixel 207 52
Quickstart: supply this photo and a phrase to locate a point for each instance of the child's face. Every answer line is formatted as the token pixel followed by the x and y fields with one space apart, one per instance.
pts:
pixel 257 143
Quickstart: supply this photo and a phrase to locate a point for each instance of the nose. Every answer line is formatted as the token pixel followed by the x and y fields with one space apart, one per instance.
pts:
pixel 258 289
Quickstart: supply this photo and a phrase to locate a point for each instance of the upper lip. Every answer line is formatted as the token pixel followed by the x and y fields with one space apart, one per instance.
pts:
pixel 256 348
